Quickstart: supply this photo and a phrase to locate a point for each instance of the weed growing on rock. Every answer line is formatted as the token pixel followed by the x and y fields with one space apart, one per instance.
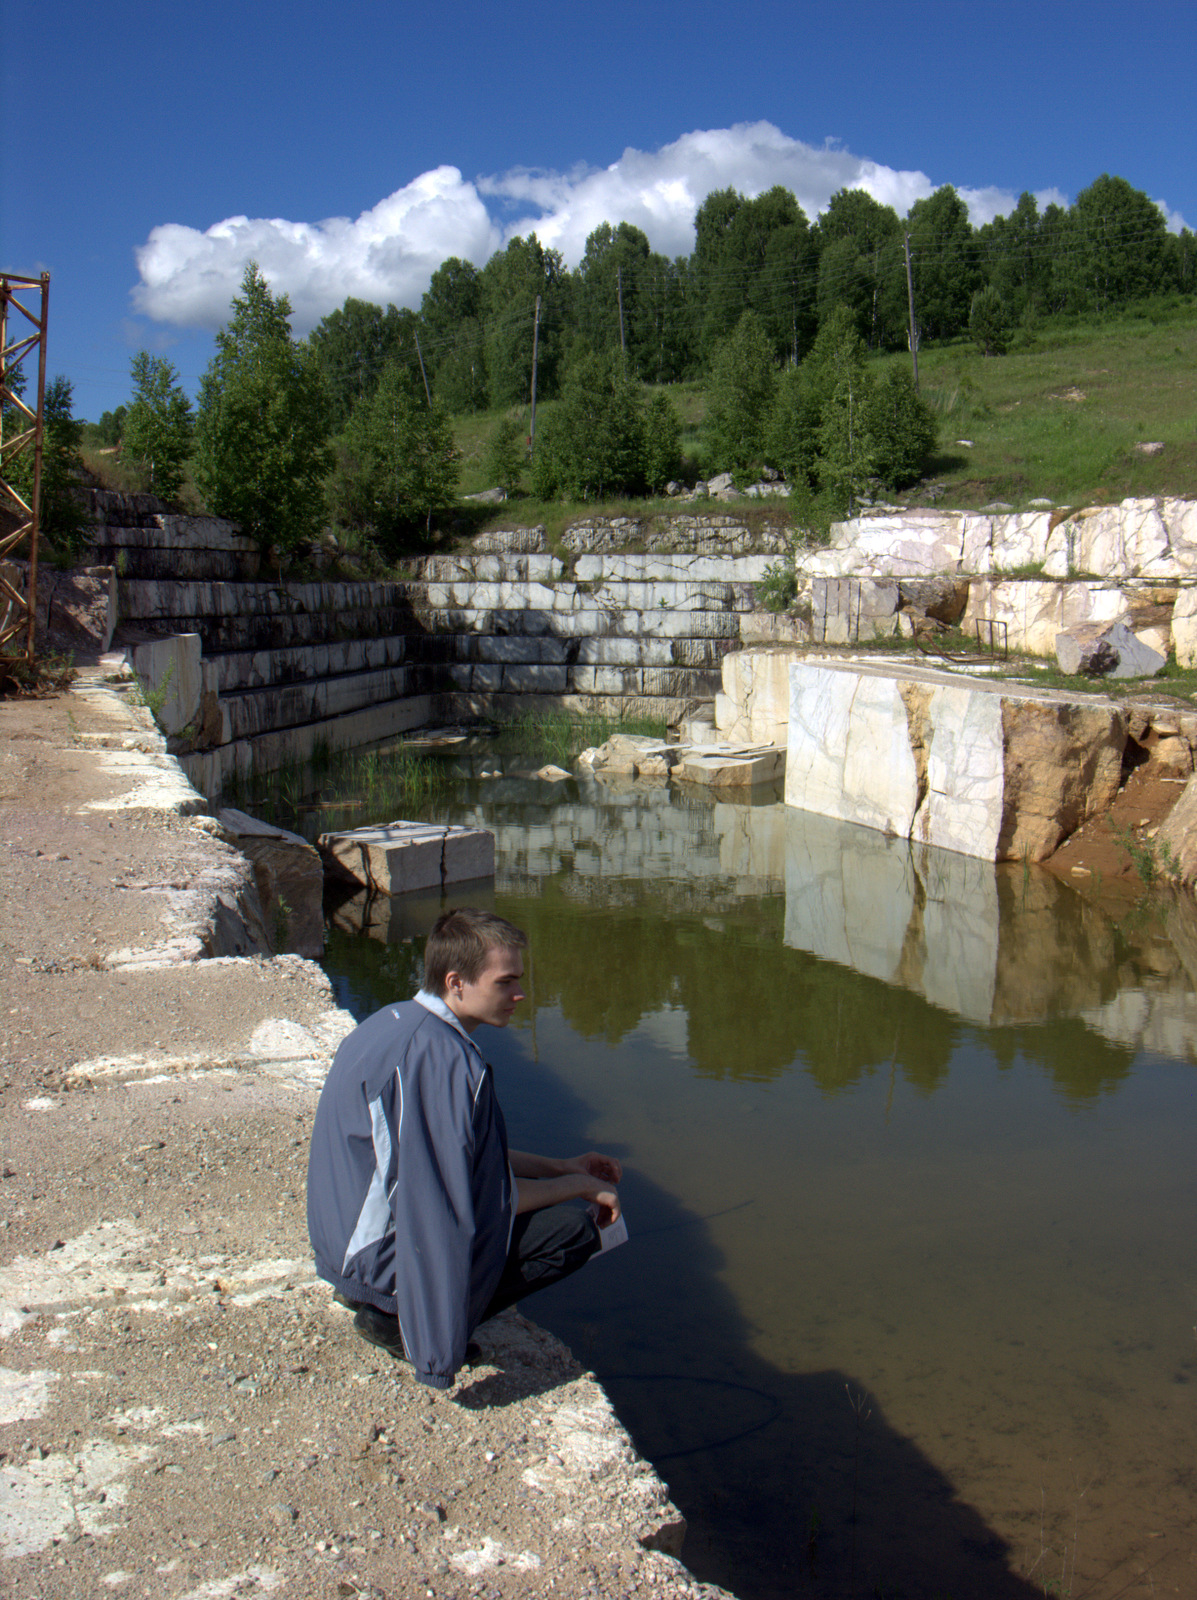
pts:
pixel 1153 862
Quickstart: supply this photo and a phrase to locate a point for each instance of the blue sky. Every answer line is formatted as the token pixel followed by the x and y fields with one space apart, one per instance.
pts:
pixel 132 131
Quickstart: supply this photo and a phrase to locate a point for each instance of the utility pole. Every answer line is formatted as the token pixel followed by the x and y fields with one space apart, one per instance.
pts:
pixel 914 338
pixel 623 349
pixel 423 374
pixel 535 346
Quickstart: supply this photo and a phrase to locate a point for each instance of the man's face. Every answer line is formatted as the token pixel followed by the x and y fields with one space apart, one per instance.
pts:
pixel 493 995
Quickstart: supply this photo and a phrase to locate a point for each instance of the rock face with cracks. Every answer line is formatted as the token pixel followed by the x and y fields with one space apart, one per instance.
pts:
pixel 960 763
pixel 183 1409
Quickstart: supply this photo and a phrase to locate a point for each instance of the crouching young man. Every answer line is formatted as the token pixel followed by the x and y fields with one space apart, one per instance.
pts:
pixel 421 1218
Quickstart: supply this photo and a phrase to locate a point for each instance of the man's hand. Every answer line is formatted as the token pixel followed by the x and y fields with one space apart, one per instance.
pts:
pixel 597 1166
pixel 607 1201
pixel 546 1180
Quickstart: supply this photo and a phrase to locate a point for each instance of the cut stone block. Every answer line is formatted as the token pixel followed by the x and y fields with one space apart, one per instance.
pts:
pixel 966 764
pixel 398 857
pixel 730 768
pixel 172 668
pixel 290 881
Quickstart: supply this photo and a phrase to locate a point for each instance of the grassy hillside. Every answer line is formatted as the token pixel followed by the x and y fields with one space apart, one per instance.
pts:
pixel 1056 418
pixel 1061 417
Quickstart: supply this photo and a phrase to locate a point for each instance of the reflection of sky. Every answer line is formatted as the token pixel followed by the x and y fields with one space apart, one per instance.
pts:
pixel 667 1029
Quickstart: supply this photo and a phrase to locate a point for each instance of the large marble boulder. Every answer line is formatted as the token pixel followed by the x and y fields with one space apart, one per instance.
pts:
pixel 1106 650
pixel 290 880
pixel 962 764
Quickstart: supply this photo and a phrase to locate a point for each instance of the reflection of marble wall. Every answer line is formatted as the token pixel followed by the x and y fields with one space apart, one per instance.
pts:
pixel 995 946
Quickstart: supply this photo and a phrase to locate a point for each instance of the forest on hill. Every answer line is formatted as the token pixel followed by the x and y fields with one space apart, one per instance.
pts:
pixel 784 329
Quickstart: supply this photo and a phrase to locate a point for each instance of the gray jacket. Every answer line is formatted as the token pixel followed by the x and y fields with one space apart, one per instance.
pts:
pixel 410 1199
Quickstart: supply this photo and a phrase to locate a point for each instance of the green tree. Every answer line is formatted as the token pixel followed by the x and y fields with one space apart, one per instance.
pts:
pixel 508 454
pixel 454 340
pixel 786 292
pixel 608 277
pixel 842 389
pixel 353 344
pixel 396 461
pixel 108 429
pixel 861 265
pixel 989 322
pixel 662 453
pixel 792 428
pixel 262 426
pixel 739 397
pixel 1117 246
pixel 158 425
pixel 902 428
pixel 1014 258
pixel 754 255
pixel 592 446
pixel 945 263
pixel 509 285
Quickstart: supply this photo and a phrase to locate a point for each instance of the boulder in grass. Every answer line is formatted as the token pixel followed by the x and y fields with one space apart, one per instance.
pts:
pixel 1106 650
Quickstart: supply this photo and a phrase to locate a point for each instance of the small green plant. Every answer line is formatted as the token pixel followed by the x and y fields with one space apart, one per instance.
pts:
pixel 154 699
pixel 1151 861
pixel 282 916
pixel 778 589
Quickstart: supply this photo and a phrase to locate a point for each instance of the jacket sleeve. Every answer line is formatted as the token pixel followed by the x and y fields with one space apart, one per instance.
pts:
pixel 434 1208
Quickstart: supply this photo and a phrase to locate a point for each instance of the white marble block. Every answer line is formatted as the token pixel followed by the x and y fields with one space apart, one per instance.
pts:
pixel 398 857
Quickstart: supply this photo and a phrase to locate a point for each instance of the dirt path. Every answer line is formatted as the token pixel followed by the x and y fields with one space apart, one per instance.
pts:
pixel 183 1411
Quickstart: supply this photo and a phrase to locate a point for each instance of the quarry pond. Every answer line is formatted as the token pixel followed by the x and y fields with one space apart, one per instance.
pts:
pixel 908 1306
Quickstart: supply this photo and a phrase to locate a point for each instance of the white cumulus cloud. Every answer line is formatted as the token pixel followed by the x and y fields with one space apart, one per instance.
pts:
pixel 188 277
pixel 660 190
pixel 387 255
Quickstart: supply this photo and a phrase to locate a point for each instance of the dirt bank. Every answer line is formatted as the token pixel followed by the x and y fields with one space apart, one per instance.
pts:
pixel 183 1411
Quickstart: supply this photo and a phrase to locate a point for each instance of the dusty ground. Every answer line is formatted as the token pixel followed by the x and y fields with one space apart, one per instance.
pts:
pixel 184 1413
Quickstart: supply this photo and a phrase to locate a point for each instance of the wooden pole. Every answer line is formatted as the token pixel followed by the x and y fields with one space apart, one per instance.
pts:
pixel 914 338
pixel 535 347
pixel 423 374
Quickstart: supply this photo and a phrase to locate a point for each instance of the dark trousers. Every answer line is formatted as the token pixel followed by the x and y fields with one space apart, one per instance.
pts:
pixel 546 1246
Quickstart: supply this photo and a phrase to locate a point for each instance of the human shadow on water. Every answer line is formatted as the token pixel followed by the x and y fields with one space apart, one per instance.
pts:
pixel 793 1483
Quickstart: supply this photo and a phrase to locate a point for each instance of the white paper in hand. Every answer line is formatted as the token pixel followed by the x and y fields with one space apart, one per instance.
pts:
pixel 613 1234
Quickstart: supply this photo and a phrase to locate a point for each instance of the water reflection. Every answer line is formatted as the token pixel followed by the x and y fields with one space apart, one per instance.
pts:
pixel 998 947
pixel 865 1097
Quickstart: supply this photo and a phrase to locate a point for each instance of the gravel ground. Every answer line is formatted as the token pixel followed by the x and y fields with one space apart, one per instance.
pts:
pixel 184 1412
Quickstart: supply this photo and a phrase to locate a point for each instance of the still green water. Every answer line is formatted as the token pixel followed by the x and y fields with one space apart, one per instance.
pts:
pixel 908 1307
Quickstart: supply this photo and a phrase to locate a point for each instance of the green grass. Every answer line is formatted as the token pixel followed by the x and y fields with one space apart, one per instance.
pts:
pixel 1058 417
pixel 1032 437
pixel 558 736
pixel 360 786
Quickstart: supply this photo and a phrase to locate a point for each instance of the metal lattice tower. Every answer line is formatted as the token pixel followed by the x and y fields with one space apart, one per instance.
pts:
pixel 21 428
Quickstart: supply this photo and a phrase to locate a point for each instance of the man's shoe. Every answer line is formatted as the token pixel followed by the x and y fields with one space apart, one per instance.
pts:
pixel 376 1328
pixel 350 1305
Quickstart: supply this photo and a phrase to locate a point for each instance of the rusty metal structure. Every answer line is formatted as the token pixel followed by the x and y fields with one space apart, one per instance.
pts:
pixel 18 611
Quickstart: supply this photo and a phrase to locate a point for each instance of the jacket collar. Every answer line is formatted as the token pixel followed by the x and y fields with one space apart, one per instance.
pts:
pixel 434 1003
